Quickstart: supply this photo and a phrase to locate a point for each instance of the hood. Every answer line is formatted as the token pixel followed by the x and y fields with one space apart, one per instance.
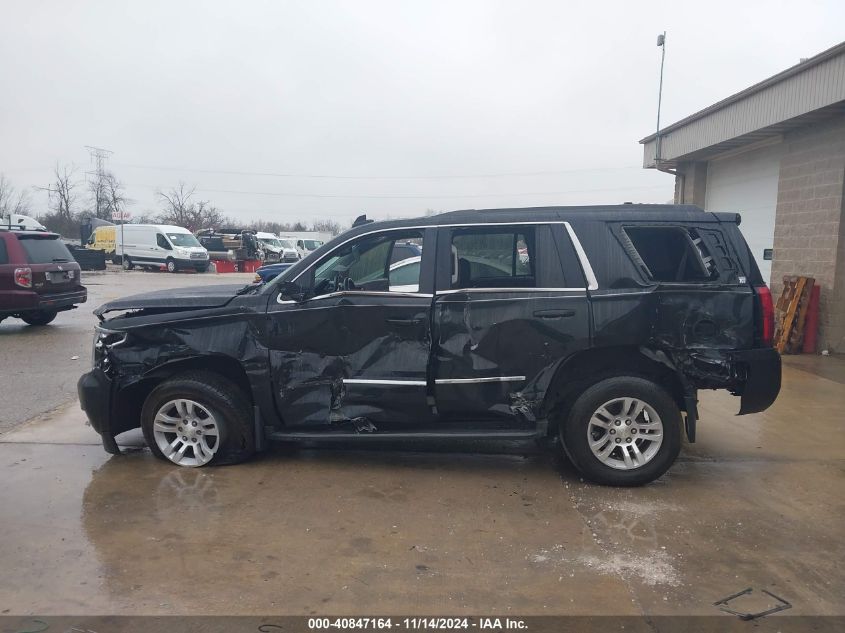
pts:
pixel 177 299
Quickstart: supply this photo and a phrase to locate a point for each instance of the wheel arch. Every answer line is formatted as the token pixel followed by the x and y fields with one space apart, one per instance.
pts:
pixel 585 368
pixel 131 399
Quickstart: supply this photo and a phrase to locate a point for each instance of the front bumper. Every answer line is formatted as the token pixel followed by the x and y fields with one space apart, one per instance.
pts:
pixel 95 398
pixel 185 264
pixel 762 378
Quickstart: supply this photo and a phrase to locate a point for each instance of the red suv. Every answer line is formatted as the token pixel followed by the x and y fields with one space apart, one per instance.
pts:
pixel 38 277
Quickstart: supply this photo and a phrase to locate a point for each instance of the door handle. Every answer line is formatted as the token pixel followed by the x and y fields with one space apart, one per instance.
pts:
pixel 404 322
pixel 554 314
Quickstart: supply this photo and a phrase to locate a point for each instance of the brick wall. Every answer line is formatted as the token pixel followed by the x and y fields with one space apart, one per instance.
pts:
pixel 809 234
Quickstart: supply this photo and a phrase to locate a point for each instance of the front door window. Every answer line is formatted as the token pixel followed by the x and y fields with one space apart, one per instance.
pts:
pixel 368 264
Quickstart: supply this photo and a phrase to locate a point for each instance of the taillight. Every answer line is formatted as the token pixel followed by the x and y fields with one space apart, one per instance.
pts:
pixel 767 315
pixel 23 277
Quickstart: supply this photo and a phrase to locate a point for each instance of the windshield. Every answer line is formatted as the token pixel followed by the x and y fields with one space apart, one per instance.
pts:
pixel 272 241
pixel 40 250
pixel 312 244
pixel 286 244
pixel 182 239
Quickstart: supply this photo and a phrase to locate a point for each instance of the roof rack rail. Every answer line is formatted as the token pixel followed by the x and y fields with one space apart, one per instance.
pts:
pixel 11 227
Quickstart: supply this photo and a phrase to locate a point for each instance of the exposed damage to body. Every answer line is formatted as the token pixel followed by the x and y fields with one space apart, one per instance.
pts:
pixel 503 327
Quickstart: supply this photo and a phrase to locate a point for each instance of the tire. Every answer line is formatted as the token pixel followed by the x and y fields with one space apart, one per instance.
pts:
pixel 116 260
pixel 598 414
pixel 213 398
pixel 39 317
pixel 171 265
pixel 127 263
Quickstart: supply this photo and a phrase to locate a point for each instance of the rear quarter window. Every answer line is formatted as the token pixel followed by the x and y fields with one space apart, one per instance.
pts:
pixel 671 254
pixel 4 255
pixel 45 250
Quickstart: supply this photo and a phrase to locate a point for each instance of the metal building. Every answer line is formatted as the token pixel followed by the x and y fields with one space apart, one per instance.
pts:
pixel 774 152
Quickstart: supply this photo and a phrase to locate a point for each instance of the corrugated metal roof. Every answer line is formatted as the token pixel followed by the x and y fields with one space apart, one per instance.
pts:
pixel 757 112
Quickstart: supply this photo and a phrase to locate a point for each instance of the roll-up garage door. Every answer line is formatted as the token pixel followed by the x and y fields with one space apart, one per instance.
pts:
pixel 747 183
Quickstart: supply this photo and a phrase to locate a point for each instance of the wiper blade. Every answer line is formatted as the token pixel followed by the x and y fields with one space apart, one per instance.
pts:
pixel 247 289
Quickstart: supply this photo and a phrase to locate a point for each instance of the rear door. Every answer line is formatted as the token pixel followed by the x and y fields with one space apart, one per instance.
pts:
pixel 511 305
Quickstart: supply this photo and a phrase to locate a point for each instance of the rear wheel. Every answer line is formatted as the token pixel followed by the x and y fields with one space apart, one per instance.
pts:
pixel 198 419
pixel 623 431
pixel 171 265
pixel 39 317
pixel 127 263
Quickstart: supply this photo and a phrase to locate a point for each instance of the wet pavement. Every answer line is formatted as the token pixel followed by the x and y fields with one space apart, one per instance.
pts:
pixel 42 364
pixel 499 529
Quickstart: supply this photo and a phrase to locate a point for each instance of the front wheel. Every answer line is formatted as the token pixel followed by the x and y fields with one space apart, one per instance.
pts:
pixel 198 419
pixel 171 265
pixel 623 431
pixel 40 317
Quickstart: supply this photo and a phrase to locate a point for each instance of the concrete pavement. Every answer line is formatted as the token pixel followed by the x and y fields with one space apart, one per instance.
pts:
pixel 757 501
pixel 42 364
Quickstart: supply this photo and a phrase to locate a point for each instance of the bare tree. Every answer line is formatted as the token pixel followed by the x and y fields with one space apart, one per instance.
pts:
pixel 99 197
pixel 12 201
pixel 326 226
pixel 180 209
pixel 116 199
pixel 61 192
pixel 177 205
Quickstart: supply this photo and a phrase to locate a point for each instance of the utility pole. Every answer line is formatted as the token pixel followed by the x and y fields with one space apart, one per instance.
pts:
pixel 661 42
pixel 99 156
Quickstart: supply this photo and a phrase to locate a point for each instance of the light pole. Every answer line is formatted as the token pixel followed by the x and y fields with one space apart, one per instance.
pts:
pixel 661 42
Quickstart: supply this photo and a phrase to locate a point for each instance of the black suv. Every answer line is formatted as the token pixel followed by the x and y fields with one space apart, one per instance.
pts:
pixel 595 325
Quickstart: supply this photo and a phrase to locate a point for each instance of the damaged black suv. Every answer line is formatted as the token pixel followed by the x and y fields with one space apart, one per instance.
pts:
pixel 594 325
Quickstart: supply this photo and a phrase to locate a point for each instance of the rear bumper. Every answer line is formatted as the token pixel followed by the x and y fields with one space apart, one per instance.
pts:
pixel 19 301
pixel 762 378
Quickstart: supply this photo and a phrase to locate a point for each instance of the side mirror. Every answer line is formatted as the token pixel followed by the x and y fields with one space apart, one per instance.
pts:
pixel 291 290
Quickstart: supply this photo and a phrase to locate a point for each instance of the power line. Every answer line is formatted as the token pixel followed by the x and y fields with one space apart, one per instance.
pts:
pixel 377 177
pixel 414 196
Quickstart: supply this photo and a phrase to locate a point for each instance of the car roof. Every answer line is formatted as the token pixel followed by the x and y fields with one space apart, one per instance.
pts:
pixel 606 213
pixel 29 233
pixel 574 214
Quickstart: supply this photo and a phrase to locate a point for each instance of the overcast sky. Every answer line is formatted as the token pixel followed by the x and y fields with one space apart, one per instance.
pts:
pixel 315 109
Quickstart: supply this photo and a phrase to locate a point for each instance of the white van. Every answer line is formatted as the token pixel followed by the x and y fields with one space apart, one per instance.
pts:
pixel 156 245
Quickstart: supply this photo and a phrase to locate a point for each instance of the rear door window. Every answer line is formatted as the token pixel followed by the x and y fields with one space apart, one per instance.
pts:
pixel 672 254
pixel 4 255
pixel 45 250
pixel 493 258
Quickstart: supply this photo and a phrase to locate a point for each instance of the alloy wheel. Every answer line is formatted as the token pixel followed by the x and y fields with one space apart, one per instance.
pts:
pixel 625 433
pixel 186 432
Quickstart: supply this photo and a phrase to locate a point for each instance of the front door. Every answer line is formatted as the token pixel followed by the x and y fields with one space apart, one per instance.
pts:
pixel 511 305
pixel 353 354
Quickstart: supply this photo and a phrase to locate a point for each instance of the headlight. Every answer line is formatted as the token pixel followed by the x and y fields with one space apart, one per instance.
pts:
pixel 104 340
